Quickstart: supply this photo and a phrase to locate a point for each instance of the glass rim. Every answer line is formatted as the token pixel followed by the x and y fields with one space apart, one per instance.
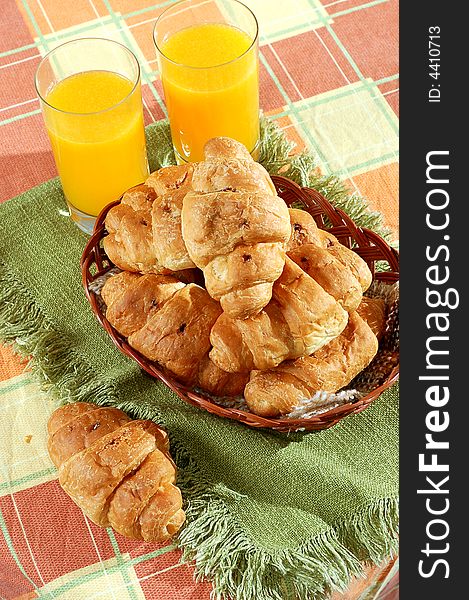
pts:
pixel 178 64
pixel 87 39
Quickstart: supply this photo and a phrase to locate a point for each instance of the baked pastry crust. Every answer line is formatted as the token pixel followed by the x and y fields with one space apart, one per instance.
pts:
pixel 169 322
pixel 117 470
pixel 373 311
pixel 300 318
pixel 228 165
pixel 129 243
pixel 305 231
pixel 331 274
pixel 277 391
pixel 145 228
pixel 138 299
pixel 177 335
pixel 235 228
pixel 171 184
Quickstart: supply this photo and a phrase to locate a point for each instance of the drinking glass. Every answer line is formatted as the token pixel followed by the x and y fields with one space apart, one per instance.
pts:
pixel 91 102
pixel 208 59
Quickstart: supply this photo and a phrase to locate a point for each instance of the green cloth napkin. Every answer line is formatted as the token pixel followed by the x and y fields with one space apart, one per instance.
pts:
pixel 270 515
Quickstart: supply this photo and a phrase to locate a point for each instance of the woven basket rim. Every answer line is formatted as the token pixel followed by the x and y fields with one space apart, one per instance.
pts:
pixel 368 244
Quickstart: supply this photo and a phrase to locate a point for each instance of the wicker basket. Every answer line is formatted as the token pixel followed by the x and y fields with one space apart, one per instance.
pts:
pixel 366 243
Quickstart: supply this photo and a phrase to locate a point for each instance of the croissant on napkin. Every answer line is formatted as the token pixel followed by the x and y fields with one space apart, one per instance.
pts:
pixel 117 470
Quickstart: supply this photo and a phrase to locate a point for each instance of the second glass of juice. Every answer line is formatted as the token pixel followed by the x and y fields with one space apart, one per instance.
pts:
pixel 92 106
pixel 208 57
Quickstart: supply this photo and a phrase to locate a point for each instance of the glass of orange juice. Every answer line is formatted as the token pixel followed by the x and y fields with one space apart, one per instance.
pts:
pixel 208 58
pixel 91 101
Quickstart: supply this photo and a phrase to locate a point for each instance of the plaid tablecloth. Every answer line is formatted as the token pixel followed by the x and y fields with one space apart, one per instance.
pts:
pixel 329 77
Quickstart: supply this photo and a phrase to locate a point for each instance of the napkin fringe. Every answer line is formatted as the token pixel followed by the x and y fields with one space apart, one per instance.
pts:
pixel 239 569
pixel 213 541
pixel 52 359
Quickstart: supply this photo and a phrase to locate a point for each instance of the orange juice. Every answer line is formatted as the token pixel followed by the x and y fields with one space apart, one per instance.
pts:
pixel 95 123
pixel 211 85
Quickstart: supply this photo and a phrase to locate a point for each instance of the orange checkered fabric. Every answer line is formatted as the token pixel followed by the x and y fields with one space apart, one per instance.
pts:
pixel 329 78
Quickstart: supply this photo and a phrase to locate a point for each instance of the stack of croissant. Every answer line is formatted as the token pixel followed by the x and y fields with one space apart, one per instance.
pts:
pixel 280 313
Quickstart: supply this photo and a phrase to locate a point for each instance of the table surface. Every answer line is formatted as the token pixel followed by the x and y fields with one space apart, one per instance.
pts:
pixel 329 78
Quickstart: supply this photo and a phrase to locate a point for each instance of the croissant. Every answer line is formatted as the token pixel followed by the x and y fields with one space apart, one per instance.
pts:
pixel 128 312
pixel 305 231
pixel 171 184
pixel 277 391
pixel 169 322
pixel 117 470
pixel 177 334
pixel 227 165
pixel 300 318
pixel 129 244
pixel 145 228
pixel 145 234
pixel 331 274
pixel 235 227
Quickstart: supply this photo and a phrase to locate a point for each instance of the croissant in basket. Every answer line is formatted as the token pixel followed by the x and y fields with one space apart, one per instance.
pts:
pixel 129 244
pixel 117 470
pixel 332 275
pixel 171 184
pixel 300 318
pixel 235 228
pixel 169 322
pixel 277 391
pixel 144 230
pixel 304 232
pixel 280 312
pixel 222 215
pixel 302 315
